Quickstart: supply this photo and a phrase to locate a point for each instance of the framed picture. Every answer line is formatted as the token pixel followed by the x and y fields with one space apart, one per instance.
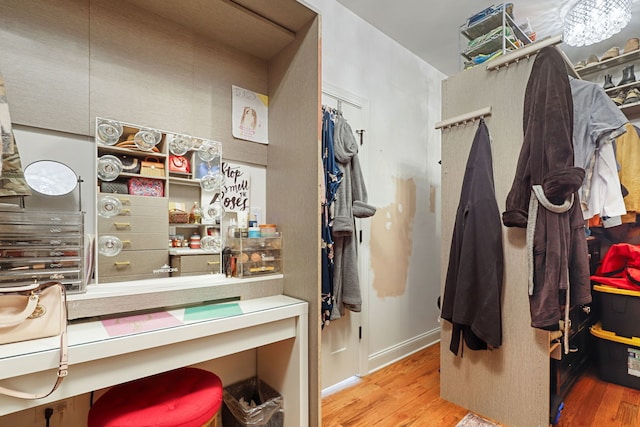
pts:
pixel 249 115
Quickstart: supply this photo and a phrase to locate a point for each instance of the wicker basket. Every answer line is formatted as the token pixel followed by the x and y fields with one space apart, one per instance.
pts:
pixel 176 216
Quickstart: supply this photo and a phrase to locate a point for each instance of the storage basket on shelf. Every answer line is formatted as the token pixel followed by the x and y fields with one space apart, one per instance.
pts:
pixel 152 167
pixel 176 216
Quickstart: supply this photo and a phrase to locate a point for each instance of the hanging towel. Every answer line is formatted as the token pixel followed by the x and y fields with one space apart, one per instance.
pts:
pixel 473 284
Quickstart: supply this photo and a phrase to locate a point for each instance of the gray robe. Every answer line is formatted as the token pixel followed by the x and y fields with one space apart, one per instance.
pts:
pixel 350 203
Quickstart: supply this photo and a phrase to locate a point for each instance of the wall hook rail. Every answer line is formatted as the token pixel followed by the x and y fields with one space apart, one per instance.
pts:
pixel 464 118
pixel 527 51
pixel 523 52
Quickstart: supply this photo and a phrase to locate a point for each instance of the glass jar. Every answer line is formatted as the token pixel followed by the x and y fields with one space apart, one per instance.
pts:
pixel 195 215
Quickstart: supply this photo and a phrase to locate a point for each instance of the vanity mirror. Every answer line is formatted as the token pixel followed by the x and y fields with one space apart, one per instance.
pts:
pixel 157 225
pixel 50 178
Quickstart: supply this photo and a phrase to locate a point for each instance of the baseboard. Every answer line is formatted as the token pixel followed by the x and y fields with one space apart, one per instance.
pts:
pixel 401 350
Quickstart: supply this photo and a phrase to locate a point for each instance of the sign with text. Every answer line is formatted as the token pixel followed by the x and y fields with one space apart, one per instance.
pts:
pixel 234 194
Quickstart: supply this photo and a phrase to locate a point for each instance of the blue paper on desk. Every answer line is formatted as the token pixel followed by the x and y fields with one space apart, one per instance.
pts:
pixel 211 311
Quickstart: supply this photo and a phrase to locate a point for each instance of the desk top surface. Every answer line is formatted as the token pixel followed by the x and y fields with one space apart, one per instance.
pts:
pixel 208 319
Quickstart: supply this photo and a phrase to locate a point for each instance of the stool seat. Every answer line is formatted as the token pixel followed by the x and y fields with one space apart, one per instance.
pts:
pixel 185 397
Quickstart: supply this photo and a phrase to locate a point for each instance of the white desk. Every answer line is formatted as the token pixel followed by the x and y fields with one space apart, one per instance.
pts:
pixel 275 326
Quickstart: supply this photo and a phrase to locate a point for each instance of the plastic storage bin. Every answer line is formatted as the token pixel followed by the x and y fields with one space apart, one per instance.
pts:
pixel 267 411
pixel 618 358
pixel 256 256
pixel 620 310
pixel 42 246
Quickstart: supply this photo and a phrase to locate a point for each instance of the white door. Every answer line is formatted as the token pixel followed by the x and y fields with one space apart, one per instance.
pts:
pixel 343 349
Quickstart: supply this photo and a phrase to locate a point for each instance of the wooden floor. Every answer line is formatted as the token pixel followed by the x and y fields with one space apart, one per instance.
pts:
pixel 407 393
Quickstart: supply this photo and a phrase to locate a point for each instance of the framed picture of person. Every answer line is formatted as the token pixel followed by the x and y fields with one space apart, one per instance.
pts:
pixel 249 115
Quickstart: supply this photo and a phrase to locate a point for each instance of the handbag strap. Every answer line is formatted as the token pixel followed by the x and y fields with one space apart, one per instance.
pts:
pixel 63 371
pixel 63 364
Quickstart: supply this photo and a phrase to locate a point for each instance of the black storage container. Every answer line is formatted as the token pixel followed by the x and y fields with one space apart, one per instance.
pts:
pixel 618 358
pixel 620 310
pixel 252 402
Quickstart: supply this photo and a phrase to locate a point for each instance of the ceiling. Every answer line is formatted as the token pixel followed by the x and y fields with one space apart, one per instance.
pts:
pixel 430 29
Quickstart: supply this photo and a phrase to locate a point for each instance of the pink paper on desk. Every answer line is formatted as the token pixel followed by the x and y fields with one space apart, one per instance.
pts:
pixel 140 323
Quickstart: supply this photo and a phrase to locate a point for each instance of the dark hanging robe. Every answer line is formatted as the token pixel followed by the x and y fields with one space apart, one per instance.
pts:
pixel 544 199
pixel 473 285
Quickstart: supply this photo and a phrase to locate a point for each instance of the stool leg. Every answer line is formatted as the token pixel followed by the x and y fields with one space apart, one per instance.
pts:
pixel 216 421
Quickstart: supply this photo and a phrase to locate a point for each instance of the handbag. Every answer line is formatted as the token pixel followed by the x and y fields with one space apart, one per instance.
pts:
pixel 114 187
pixel 146 187
pixel 151 167
pixel 130 145
pixel 130 164
pixel 31 312
pixel 179 164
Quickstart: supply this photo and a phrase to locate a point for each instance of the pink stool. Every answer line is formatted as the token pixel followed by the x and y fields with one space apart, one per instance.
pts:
pixel 185 397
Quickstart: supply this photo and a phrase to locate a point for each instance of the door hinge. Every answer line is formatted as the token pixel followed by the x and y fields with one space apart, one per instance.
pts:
pixel 359 332
pixel 360 233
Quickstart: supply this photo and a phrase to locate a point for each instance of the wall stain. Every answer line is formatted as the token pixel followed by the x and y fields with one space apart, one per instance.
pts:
pixel 391 240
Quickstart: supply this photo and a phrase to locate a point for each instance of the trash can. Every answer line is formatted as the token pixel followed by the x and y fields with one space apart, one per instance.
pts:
pixel 252 402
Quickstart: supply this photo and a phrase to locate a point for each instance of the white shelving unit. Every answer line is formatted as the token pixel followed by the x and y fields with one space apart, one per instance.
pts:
pixel 496 19
pixel 595 72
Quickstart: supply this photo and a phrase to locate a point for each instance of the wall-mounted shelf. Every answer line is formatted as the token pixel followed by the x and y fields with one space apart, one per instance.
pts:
pixel 598 69
pixel 609 63
pixel 509 37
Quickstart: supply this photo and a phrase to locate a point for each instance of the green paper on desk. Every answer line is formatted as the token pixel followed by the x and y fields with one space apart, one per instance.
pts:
pixel 211 311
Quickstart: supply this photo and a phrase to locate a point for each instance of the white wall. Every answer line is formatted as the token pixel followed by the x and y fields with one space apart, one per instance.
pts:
pixel 403 179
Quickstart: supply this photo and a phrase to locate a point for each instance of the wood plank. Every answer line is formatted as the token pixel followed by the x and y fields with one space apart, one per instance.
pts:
pixel 407 393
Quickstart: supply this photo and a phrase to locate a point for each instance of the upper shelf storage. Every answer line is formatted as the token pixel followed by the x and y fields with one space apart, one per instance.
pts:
pixel 494 31
pixel 595 71
pixel 609 63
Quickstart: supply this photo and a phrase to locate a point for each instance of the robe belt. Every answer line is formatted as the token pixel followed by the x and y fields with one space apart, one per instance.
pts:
pixel 538 196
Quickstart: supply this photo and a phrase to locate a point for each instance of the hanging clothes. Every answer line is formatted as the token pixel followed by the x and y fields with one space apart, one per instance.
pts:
pixel 473 285
pixel 544 199
pixel 332 179
pixel 597 122
pixel 628 157
pixel 351 202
